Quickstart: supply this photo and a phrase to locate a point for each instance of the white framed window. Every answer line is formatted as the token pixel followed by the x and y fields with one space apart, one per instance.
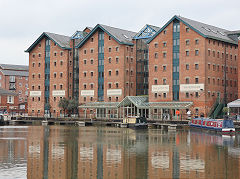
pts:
pixel 12 79
pixel 10 99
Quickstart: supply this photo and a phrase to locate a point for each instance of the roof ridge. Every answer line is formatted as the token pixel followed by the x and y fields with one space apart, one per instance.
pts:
pixel 203 23
pixel 117 28
pixel 57 34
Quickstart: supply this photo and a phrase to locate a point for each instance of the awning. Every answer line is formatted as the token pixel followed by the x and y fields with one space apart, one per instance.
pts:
pixel 96 105
pixel 138 101
pixel 234 104
pixel 170 105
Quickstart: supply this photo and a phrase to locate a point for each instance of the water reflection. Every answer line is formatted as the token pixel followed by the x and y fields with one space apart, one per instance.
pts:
pixel 63 152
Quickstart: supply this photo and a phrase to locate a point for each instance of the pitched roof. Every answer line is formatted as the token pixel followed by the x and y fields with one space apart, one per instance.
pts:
pixel 205 30
pixel 154 27
pixel 14 67
pixel 138 101
pixel 120 35
pixel 124 36
pixel 7 92
pixel 61 40
pixel 147 32
pixel 90 28
pixel 14 73
pixel 78 36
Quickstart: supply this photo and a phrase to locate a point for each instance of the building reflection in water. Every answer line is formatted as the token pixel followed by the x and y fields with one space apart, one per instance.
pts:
pixel 69 152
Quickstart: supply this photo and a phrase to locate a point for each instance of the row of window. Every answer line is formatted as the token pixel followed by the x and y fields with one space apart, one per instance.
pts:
pixel 109 99
pixel 101 50
pixel 55 54
pixel 101 74
pixel 47 77
pixel 217 68
pixel 214 82
pixel 54 87
pixel 218 43
pixel 231 82
pixel 101 62
pixel 164 95
pixel 222 56
pixel 54 63
pixel 176 42
pixel 48 54
pixel 10 99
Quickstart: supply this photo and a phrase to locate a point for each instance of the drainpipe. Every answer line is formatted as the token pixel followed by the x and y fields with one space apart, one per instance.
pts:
pixel 225 76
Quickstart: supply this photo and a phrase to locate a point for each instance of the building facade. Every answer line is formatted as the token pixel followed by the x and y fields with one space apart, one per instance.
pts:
pixel 15 78
pixel 195 62
pixel 185 65
pixel 8 102
pixel 107 65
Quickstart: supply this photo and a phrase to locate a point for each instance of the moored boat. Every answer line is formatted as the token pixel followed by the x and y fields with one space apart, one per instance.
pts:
pixel 220 125
pixel 135 122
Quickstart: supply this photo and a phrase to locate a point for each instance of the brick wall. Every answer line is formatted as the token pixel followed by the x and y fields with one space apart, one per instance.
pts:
pixel 36 57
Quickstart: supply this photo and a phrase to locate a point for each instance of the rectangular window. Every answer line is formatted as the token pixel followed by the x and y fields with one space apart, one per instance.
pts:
pixel 196 67
pixel 164 54
pixel 164 68
pixel 196 52
pixel 164 81
pixel 196 81
pixel 164 95
pixel 10 99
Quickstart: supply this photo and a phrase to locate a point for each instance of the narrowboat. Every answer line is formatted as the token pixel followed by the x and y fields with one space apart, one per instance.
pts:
pixel 220 125
pixel 134 122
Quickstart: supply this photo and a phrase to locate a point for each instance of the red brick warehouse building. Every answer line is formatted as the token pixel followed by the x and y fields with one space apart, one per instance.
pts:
pixel 52 61
pixel 8 102
pixel 15 78
pixel 185 65
pixel 192 62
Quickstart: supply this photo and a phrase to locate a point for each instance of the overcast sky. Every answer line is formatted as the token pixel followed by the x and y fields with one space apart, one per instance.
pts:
pixel 23 21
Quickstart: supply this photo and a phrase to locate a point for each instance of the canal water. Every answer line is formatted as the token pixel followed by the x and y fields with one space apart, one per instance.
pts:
pixel 67 152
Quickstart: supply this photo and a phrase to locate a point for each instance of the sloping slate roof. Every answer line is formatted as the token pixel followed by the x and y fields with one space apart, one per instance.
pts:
pixel 215 32
pixel 13 67
pixel 62 40
pixel 90 28
pixel 154 27
pixel 205 30
pixel 14 73
pixel 171 105
pixel 138 101
pixel 234 32
pixel 234 104
pixel 120 34
pixel 7 92
pixel 100 105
